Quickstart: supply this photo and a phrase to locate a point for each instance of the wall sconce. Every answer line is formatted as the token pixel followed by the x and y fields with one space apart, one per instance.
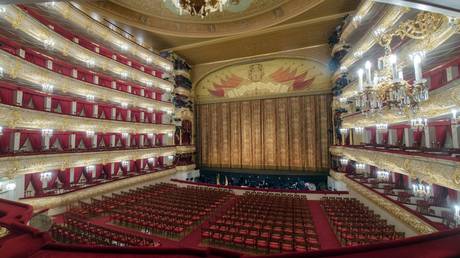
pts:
pixel 124 105
pixel 124 163
pixel 90 97
pixel 124 135
pixel 89 133
pixel 47 87
pixel 47 132
pixel 343 161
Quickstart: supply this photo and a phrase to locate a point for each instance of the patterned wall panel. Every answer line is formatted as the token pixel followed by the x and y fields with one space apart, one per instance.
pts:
pixel 285 133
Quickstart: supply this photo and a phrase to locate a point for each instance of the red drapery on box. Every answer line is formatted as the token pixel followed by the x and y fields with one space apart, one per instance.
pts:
pixel 399 136
pixel 134 140
pixel 144 164
pixel 77 172
pixel 39 101
pixel 373 133
pixel 158 117
pixel 98 171
pixel 106 138
pixel 116 168
pixel 64 139
pixel 136 115
pixel 52 181
pixel 81 137
pixel 138 165
pixel 107 110
pixel 452 194
pixel 26 98
pixel 88 107
pixel 122 113
pixel 37 183
pixel 159 139
pixel 151 164
pixel 385 137
pixel 79 109
pixel 66 105
pixel 5 140
pixel 418 134
pixel 88 176
pixel 64 178
pixel 7 96
pixel 34 137
pixel 158 95
pixel 107 170
pixel 441 134
pixel 124 169
pixel 160 161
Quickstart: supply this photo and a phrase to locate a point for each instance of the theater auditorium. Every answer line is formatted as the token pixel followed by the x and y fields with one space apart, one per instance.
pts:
pixel 229 128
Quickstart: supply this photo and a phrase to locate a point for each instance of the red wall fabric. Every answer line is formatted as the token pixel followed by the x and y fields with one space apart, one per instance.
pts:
pixel 441 134
pixel 417 137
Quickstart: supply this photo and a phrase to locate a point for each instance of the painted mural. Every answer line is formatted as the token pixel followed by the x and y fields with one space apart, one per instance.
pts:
pixel 280 77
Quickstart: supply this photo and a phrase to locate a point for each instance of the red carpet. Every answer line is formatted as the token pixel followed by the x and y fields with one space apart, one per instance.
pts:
pixel 326 236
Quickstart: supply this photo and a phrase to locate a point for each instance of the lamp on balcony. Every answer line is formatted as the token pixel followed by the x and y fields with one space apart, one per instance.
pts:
pixel 421 190
pixel 47 132
pixel 383 175
pixel 1 131
pixel 45 177
pixel 89 133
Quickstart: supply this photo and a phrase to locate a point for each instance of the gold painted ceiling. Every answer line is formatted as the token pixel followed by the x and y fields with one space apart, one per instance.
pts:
pixel 245 28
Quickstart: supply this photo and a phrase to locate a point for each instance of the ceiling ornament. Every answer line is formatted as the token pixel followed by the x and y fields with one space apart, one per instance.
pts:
pixel 199 7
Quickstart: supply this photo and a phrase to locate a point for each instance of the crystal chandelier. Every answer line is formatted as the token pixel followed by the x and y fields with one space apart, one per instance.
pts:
pixel 418 123
pixel 199 7
pixel 385 88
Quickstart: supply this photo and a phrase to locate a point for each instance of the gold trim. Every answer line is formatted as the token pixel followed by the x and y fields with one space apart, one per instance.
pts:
pixel 30 74
pixel 185 149
pixel 16 117
pixel 185 168
pixel 418 225
pixel 69 198
pixel 440 103
pixel 13 166
pixel 4 232
pixel 73 15
pixel 431 170
pixel 62 46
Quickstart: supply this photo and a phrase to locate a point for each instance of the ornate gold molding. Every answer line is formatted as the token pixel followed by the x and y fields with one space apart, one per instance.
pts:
pixel 185 149
pixel 84 22
pixel 183 91
pixel 185 168
pixel 56 43
pixel 440 103
pixel 69 198
pixel 16 117
pixel 12 166
pixel 22 71
pixel 432 170
pixel 4 232
pixel 419 226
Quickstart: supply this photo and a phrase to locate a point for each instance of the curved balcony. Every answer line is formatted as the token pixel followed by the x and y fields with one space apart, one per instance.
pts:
pixel 15 117
pixel 441 102
pixel 12 166
pixel 45 38
pixel 19 70
pixel 180 149
pixel 390 17
pixel 70 14
pixel 431 169
pixel 445 31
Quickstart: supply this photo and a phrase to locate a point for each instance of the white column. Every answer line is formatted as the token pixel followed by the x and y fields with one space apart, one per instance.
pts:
pixel 95 110
pixel 455 140
pixel 94 140
pixel 74 108
pixel 141 140
pixel 47 103
pixel 96 79
pixel 16 140
pixel 74 73
pixel 142 92
pixel 128 115
pixel 22 53
pixel 408 137
pixel 129 89
pixel 112 140
pixel 49 64
pixel 96 49
pixel 378 137
pixel 114 84
pixel 112 168
pixel 18 98
pixel 142 116
pixel 427 136
pixel 113 114
pixel 391 136
pixel 72 141
pixel 128 140
pixel 46 141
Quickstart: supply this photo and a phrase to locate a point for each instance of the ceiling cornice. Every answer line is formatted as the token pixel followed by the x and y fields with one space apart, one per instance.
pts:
pixel 260 32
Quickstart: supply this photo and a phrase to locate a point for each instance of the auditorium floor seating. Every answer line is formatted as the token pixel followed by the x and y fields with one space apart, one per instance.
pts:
pixel 430 210
pixel 176 215
pixel 355 224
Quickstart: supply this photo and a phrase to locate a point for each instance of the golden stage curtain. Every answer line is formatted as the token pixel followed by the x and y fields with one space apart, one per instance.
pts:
pixel 285 133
